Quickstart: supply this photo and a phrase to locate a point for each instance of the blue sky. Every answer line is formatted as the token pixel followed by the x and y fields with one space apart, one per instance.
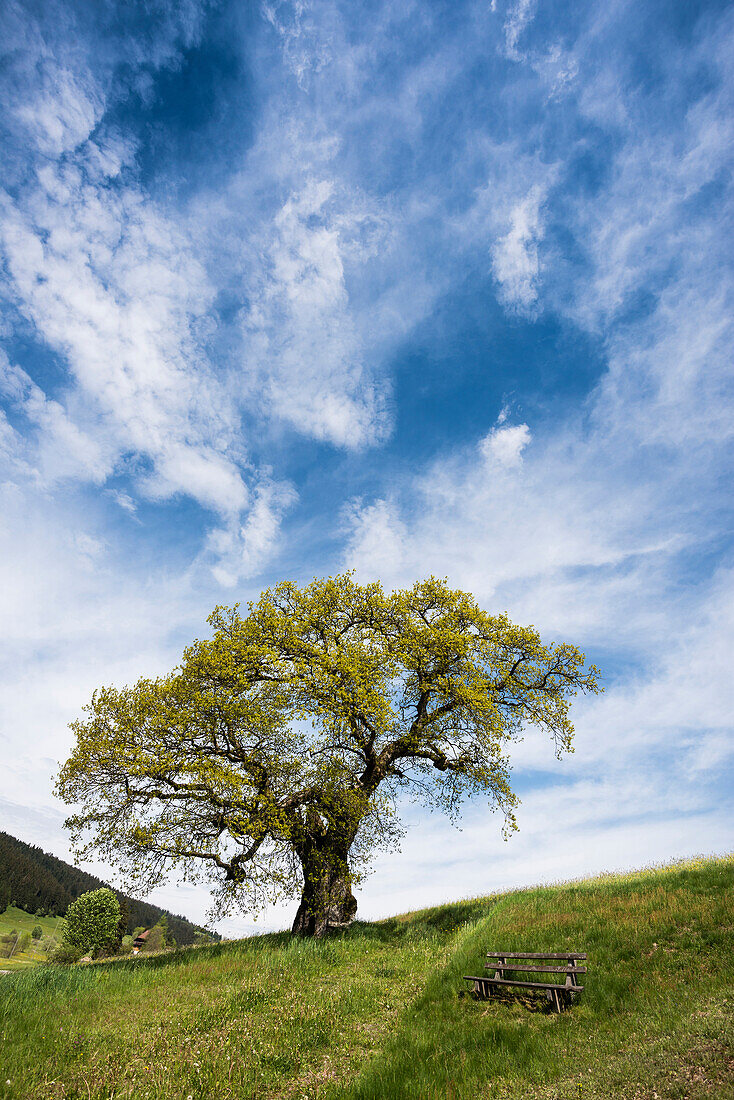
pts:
pixel 407 288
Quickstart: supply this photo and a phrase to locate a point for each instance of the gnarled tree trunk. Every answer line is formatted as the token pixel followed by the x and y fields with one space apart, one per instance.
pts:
pixel 327 901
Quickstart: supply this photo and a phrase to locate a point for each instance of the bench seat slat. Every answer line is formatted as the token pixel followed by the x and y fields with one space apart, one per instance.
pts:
pixel 536 955
pixel 542 969
pixel 526 985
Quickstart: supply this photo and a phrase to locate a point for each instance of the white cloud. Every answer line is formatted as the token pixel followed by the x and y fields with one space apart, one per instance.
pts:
pixel 562 537
pixel 111 282
pixel 113 286
pixel 63 112
pixel 299 334
pixel 519 16
pixel 63 449
pixel 555 65
pixel 509 212
pixel 644 226
pixel 515 256
pixel 503 447
pixel 378 538
pixel 306 50
pixel 669 377
pixel 199 472
pixel 241 550
pixel 77 614
pixel 685 693
pixel 125 501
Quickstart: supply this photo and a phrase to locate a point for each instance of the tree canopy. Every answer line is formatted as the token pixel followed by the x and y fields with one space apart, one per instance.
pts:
pixel 269 762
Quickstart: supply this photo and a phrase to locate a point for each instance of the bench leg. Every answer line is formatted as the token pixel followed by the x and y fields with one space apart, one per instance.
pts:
pixel 483 988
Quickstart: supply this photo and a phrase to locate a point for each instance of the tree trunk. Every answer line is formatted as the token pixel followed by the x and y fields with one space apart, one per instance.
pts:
pixel 327 901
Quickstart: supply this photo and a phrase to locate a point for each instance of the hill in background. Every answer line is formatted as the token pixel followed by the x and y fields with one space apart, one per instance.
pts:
pixel 33 880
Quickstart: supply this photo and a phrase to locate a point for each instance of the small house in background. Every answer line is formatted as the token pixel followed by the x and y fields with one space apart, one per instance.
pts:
pixel 139 940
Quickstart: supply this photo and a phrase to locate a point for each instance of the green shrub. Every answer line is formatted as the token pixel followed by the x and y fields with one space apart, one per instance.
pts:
pixel 37 932
pixel 65 953
pixel 92 921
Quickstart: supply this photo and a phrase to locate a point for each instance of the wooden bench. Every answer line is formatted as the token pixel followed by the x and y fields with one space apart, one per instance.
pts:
pixel 506 962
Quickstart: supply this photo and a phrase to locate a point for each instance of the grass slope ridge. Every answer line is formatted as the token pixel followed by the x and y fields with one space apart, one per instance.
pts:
pixel 34 880
pixel 375 1012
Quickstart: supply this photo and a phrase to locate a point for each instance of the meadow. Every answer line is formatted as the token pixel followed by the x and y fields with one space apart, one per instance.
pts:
pixel 376 1011
pixel 17 920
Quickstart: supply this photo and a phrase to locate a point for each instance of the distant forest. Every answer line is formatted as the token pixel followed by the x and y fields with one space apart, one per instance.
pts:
pixel 34 880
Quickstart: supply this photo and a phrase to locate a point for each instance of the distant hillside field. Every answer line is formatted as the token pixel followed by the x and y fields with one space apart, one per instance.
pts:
pixel 17 920
pixel 32 879
pixel 375 1013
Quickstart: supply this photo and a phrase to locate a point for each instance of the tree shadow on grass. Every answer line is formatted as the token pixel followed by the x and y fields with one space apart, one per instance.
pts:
pixel 442 919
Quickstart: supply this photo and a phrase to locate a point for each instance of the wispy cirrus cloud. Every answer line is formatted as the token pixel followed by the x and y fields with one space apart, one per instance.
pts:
pixel 306 47
pixel 110 281
pixel 519 14
pixel 299 336
pixel 62 449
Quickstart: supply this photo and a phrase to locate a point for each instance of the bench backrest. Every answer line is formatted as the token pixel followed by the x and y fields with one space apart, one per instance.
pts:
pixel 515 960
pixel 568 955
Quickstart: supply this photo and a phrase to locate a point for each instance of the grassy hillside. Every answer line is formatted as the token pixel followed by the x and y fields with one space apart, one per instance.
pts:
pixel 375 1012
pixel 17 920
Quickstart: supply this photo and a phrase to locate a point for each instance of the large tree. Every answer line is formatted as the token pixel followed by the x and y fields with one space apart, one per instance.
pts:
pixel 270 760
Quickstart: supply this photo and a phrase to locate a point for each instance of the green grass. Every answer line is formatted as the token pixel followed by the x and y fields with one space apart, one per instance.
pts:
pixel 376 1012
pixel 20 921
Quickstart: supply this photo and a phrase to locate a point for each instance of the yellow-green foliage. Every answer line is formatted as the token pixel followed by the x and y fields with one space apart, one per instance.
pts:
pixel 375 1012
